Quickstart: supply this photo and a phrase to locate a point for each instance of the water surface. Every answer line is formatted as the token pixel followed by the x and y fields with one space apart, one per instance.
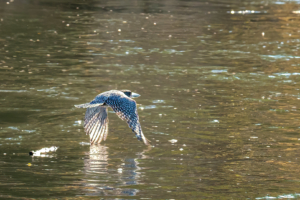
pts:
pixel 219 99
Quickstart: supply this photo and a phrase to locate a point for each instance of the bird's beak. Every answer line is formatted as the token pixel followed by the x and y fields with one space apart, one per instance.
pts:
pixel 134 95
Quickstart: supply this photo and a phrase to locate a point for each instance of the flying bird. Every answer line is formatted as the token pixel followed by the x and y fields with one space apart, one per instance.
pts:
pixel 96 119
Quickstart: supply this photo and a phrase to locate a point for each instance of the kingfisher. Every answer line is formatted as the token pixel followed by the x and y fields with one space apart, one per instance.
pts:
pixel 96 119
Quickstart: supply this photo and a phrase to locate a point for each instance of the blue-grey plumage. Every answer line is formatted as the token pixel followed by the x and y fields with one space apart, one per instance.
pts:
pixel 96 120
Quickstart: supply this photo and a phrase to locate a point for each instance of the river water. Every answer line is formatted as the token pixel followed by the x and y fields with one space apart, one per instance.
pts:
pixel 219 85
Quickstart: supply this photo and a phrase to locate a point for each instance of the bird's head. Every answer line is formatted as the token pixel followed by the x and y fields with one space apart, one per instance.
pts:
pixel 130 94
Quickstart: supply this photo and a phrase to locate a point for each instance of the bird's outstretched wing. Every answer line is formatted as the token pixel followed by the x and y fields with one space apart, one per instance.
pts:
pixel 96 123
pixel 125 108
pixel 88 105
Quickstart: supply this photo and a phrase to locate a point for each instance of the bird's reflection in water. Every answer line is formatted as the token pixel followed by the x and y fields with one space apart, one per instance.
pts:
pixel 97 160
pixel 109 179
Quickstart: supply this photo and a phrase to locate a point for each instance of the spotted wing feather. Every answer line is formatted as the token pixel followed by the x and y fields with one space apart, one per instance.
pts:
pixel 96 124
pixel 125 108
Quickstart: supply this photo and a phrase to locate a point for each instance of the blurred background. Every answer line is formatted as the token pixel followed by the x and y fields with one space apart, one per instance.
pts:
pixel 219 86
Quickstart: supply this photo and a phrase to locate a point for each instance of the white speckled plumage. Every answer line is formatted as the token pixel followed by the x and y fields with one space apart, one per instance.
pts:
pixel 96 119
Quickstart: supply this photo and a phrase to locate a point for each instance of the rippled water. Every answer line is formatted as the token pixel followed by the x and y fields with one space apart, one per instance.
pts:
pixel 219 86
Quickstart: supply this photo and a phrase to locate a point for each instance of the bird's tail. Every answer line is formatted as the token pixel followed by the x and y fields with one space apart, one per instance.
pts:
pixel 88 105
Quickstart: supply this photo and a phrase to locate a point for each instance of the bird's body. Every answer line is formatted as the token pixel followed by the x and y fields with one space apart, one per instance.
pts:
pixel 96 120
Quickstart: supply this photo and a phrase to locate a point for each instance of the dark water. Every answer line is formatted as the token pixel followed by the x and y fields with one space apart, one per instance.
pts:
pixel 219 85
